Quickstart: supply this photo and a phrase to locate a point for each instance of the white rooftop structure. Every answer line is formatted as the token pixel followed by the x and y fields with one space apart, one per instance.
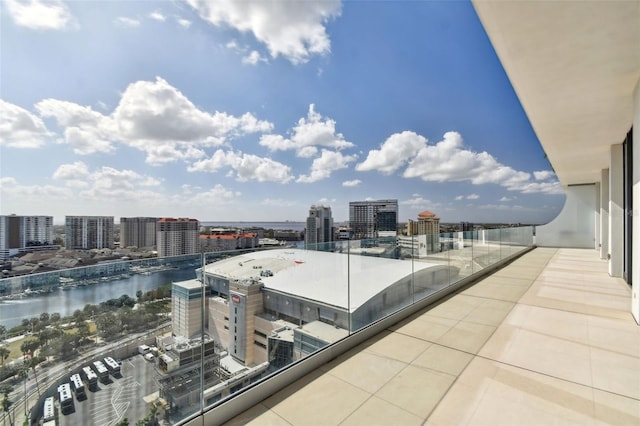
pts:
pixel 333 278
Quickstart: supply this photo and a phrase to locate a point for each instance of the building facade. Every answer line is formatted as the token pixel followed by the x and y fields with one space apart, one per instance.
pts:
pixel 176 237
pixel 319 226
pixel 428 227
pixel 186 309
pixel 138 231
pixel 88 232
pixel 25 233
pixel 373 219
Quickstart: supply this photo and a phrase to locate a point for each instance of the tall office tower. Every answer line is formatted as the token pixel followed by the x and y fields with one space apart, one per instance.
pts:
pixel 22 233
pixel 428 224
pixel 319 226
pixel 186 308
pixel 373 219
pixel 88 232
pixel 177 236
pixel 138 231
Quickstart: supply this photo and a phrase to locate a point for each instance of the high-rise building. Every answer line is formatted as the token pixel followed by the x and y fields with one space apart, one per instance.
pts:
pixel 373 219
pixel 23 233
pixel 177 236
pixel 186 308
pixel 88 232
pixel 319 226
pixel 138 231
pixel 428 224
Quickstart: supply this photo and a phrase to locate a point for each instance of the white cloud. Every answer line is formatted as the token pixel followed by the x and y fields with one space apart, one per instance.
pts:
pixel 12 190
pixel 448 161
pixel 184 23
pixel 253 58
pixel 351 183
pixel 394 153
pixel 278 202
pixel 246 167
pixel 473 197
pixel 295 30
pixel 417 201
pixel 216 195
pixel 41 14
pixel 505 199
pixel 323 166
pixel 123 21
pixel 85 130
pixel 157 16
pixel 153 117
pixel 19 128
pixel 308 135
pixel 75 172
pixel 459 197
pixel 544 174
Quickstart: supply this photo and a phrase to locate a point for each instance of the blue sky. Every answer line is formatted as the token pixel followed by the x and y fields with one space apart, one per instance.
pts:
pixel 254 111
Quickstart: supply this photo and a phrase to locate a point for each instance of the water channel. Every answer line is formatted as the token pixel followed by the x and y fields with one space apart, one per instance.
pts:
pixel 65 302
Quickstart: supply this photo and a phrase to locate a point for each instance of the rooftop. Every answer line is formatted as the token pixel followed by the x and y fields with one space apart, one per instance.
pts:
pixel 547 339
pixel 320 275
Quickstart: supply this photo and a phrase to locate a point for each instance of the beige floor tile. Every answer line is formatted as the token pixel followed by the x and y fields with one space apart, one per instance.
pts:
pixel 497 291
pixel 443 359
pixel 257 415
pixel 624 341
pixel 398 346
pixel 367 371
pixel 416 390
pixel 499 344
pixel 548 355
pixel 466 336
pixel 508 281
pixel 615 409
pixel 615 372
pixel 457 307
pixel 326 400
pixel 490 312
pixel 427 327
pixel 378 412
pixel 457 406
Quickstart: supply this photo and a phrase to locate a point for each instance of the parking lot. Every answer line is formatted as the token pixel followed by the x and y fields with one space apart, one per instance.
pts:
pixel 118 398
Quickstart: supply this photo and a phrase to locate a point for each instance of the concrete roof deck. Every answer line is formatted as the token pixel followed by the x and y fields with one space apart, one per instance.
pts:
pixel 548 339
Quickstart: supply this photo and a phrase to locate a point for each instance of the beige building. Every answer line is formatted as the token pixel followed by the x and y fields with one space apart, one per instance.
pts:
pixel 179 236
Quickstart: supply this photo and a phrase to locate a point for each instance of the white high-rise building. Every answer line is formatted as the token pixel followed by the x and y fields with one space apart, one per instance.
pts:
pixel 319 226
pixel 177 236
pixel 20 233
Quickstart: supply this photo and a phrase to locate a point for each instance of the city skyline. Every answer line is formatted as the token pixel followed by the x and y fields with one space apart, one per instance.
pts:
pixel 254 112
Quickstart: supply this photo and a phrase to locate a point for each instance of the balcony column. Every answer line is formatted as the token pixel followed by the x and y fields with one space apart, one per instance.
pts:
pixel 635 232
pixel 604 213
pixel 616 212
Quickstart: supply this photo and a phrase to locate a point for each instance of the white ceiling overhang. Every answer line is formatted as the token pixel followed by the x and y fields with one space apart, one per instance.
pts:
pixel 574 66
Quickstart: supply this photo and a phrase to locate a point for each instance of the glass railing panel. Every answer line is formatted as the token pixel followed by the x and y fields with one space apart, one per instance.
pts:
pixel 221 321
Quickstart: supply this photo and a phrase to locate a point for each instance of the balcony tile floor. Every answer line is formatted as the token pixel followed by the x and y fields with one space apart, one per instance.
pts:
pixel 548 339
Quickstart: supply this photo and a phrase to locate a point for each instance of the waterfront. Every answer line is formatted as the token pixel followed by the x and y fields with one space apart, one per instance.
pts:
pixel 13 311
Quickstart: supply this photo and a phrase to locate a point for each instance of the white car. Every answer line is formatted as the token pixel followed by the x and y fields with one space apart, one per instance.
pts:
pixel 149 357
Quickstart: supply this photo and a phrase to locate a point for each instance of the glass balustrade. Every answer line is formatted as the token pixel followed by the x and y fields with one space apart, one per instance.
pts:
pixel 185 334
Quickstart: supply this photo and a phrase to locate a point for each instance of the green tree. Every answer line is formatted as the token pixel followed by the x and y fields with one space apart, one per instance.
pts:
pixel 3 332
pixel 44 317
pixel 55 317
pixel 4 354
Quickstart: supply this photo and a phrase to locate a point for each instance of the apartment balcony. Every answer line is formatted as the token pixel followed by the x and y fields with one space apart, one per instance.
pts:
pixel 547 339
